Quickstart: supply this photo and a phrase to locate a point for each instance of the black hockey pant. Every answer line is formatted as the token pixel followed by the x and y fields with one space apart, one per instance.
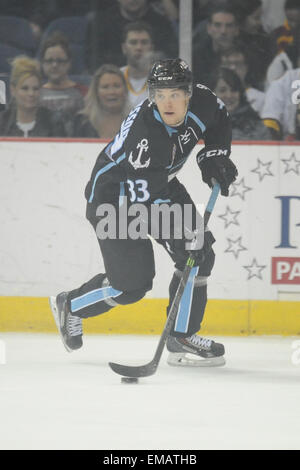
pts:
pixel 130 269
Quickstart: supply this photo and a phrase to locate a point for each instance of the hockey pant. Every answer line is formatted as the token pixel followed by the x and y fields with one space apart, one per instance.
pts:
pixel 130 270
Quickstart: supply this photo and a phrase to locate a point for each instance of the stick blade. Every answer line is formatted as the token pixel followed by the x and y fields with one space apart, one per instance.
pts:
pixel 134 371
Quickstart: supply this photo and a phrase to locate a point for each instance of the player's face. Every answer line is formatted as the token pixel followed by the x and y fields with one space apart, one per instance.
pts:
pixel 27 93
pixel 230 97
pixel 111 92
pixel 172 104
pixel 56 64
pixel 222 29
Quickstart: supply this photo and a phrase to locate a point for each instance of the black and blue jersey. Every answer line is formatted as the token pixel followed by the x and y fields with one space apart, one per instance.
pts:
pixel 147 154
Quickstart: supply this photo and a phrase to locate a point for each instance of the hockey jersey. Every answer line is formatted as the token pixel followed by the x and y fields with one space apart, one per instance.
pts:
pixel 146 153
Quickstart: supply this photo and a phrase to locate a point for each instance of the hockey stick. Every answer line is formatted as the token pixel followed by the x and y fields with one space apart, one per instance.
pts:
pixel 150 368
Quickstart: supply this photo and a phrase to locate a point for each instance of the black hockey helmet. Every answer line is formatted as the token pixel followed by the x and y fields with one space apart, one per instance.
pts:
pixel 170 73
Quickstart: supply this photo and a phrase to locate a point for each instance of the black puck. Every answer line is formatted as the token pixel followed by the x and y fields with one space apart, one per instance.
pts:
pixel 129 380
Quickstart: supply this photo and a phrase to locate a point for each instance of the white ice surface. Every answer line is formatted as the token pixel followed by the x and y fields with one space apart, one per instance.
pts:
pixel 51 399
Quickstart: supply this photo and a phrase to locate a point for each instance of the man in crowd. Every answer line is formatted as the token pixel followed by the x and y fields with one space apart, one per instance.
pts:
pixel 137 47
pixel 222 30
pixel 104 35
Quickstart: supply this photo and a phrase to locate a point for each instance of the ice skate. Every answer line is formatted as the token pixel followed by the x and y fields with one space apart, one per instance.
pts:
pixel 69 326
pixel 195 351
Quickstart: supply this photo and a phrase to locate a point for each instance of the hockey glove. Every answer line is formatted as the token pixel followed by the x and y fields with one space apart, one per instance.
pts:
pixel 219 167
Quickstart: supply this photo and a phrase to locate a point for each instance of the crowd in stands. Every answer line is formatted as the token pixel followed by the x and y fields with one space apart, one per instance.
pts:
pixel 75 68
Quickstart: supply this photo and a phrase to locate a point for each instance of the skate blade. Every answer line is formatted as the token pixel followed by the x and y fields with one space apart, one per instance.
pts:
pixel 190 360
pixel 53 306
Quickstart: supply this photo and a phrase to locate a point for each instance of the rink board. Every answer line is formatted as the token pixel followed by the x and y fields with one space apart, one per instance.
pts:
pixel 223 317
pixel 48 246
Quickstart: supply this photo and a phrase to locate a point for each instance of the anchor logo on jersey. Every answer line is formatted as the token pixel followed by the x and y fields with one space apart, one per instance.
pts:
pixel 143 147
pixel 186 137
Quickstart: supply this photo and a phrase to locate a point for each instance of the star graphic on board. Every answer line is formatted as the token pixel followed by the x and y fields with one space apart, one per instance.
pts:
pixel 239 189
pixel 254 270
pixel 230 217
pixel 291 164
pixel 235 247
pixel 262 169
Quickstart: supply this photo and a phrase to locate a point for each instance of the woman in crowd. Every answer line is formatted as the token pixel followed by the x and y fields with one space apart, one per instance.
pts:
pixel 246 124
pixel 24 117
pixel 106 105
pixel 60 93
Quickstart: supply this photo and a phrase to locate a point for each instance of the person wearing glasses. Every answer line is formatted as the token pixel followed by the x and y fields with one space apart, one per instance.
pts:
pixel 60 93
pixel 24 116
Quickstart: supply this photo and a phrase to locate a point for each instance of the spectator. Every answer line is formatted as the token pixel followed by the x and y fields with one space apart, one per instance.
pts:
pixel 222 29
pixel 60 93
pixel 246 124
pixel 236 59
pixel 137 47
pixel 279 111
pixel 24 116
pixel 104 35
pixel 106 105
pixel 285 60
pixel 284 36
pixel 254 39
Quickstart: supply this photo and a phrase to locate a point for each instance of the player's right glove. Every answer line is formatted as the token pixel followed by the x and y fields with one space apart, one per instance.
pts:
pixel 219 167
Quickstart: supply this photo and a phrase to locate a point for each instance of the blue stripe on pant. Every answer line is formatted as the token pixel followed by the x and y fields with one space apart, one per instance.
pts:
pixel 184 311
pixel 93 297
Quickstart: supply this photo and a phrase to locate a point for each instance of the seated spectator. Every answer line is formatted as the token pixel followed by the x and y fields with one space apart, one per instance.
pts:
pixel 60 93
pixel 254 40
pixel 104 35
pixel 279 111
pixel 236 59
pixel 137 47
pixel 246 124
pixel 284 36
pixel 24 117
pixel 222 29
pixel 106 105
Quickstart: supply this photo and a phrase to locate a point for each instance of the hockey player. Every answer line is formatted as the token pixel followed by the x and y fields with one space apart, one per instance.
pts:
pixel 141 164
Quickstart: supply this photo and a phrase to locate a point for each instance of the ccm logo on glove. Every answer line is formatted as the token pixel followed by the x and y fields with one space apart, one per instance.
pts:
pixel 211 153
pixel 215 164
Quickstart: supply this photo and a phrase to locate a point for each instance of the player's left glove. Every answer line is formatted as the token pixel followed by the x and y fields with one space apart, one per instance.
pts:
pixel 219 167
